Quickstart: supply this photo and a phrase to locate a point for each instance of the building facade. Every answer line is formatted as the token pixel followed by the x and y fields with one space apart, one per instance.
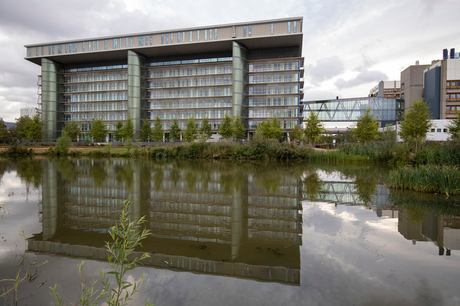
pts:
pixel 412 84
pixel 253 70
pixel 386 89
pixel 28 112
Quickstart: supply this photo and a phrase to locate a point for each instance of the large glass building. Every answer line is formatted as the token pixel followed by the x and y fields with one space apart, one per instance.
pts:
pixel 253 70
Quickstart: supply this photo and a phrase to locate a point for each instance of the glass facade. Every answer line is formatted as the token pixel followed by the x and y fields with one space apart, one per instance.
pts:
pixel 383 109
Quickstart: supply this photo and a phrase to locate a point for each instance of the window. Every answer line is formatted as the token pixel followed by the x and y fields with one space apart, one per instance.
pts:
pixel 215 37
pixel 295 26
pixel 444 130
pixel 130 41
pixel 141 41
pixel 198 35
pixel 250 31
pixel 271 28
pixel 105 44
pixel 167 39
pixel 115 41
pixel 438 130
pixel 162 39
pixel 52 48
pixel 183 36
pixel 83 47
pixel 432 130
pixel 172 38
pixel 178 37
pixel 205 35
pixel 244 31
pixel 126 41
pixel 289 27
pixel 97 48
pixel 191 35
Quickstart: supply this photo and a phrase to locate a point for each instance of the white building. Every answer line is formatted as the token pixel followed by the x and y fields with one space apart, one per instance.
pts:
pixel 29 112
pixel 439 130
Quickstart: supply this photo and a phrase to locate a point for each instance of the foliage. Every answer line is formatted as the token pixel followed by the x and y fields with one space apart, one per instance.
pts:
pixel 72 130
pixel 146 131
pixel 270 129
pixel 158 130
pixel 454 127
pixel 313 128
pixel 127 132
pixel 226 128
pixel 174 131
pixel 312 185
pixel 98 130
pixel 129 144
pixel 4 134
pixel 239 132
pixel 191 130
pixel 34 129
pixel 21 124
pixel 417 122
pixel 63 143
pixel 367 128
pixel 205 128
pixel 297 133
pixel 117 135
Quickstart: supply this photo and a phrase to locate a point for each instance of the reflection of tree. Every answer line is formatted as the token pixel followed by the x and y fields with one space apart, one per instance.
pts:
pixel 158 176
pixel 98 173
pixel 365 186
pixel 124 173
pixel 312 185
pixel 68 169
pixel 30 171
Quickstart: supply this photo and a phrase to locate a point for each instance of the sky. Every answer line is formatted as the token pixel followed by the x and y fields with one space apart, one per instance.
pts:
pixel 348 46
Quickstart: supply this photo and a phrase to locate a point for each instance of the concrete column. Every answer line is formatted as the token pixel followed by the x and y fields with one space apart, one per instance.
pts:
pixel 240 81
pixel 136 88
pixel 51 99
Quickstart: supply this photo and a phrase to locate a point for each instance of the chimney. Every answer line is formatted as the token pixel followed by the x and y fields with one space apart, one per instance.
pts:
pixel 444 54
pixel 452 53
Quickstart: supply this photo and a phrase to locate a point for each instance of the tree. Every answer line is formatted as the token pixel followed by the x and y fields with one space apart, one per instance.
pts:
pixel 174 131
pixel 158 130
pixel 454 127
pixel 367 128
pixel 270 129
pixel 191 130
pixel 146 131
pixel 63 143
pixel 34 129
pixel 117 135
pixel 226 128
pixel 205 128
pixel 72 130
pixel 21 123
pixel 239 132
pixel 313 128
pixel 417 122
pixel 4 134
pixel 297 133
pixel 98 130
pixel 127 132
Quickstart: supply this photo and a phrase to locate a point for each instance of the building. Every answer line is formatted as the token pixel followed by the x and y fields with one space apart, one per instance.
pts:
pixel 386 89
pixel 439 130
pixel 29 112
pixel 384 110
pixel 253 70
pixel 442 86
pixel 412 84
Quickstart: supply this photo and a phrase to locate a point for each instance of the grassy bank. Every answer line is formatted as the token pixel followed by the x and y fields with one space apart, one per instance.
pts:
pixel 427 178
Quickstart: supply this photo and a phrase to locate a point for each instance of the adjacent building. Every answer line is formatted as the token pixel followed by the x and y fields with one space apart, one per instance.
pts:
pixel 29 112
pixel 253 70
pixel 386 89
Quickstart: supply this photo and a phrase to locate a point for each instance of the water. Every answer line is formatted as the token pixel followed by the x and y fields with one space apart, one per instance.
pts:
pixel 231 233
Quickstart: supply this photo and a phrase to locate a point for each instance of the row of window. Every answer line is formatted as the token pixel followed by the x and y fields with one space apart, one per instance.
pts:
pixel 199 70
pixel 187 228
pixel 187 93
pixel 181 37
pixel 191 61
pixel 273 90
pixel 190 82
pixel 453 97
pixel 180 217
pixel 284 124
pixel 189 104
pixel 257 67
pixel 452 109
pixel 273 78
pixel 180 193
pixel 194 207
pixel 93 116
pixel 90 107
pixel 106 96
pixel 96 87
pixel 285 190
pixel 95 77
pixel 274 101
pixel 211 114
pixel 273 201
pixel 453 84
pixel 274 213
pixel 270 113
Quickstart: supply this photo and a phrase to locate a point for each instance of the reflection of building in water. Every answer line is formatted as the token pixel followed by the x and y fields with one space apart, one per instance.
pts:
pixel 442 231
pixel 207 222
pixel 343 192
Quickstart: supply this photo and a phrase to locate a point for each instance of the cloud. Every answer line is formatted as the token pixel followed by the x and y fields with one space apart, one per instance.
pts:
pixel 325 69
pixel 364 77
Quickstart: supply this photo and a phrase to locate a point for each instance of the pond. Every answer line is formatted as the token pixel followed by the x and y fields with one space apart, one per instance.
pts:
pixel 230 233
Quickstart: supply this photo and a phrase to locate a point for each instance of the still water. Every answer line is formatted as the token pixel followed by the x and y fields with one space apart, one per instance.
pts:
pixel 228 233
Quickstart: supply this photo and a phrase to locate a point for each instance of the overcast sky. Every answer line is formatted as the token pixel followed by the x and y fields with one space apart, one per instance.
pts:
pixel 349 46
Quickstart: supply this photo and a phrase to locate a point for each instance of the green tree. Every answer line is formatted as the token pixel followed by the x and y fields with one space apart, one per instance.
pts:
pixel 117 135
pixel 297 133
pixel 239 132
pixel 417 122
pixel 313 129
pixel 4 134
pixel 127 132
pixel 72 130
pixel 270 129
pixel 191 130
pixel 63 143
pixel 205 128
pixel 174 131
pixel 226 128
pixel 158 130
pixel 454 127
pixel 21 124
pixel 367 128
pixel 34 129
pixel 146 131
pixel 98 130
